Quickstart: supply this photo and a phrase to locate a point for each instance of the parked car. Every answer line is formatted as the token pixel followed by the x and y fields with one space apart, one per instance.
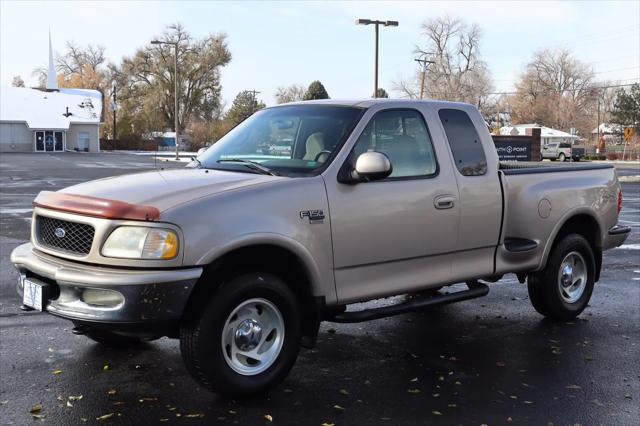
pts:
pixel 578 153
pixel 557 151
pixel 244 256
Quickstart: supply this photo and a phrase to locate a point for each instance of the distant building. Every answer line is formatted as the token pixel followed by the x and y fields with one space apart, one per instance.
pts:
pixel 547 134
pixel 51 119
pixel 612 133
pixel 167 140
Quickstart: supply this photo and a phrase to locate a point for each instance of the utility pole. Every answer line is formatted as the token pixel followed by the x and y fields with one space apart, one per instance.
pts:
pixel 598 128
pixel 377 24
pixel 254 92
pixel 425 65
pixel 115 128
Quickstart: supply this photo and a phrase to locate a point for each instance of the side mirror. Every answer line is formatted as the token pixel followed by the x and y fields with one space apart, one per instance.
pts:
pixel 371 166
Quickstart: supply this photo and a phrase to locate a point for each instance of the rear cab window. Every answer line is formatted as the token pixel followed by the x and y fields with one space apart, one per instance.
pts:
pixel 464 142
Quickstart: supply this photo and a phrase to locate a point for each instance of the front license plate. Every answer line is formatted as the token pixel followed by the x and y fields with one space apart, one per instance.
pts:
pixel 34 294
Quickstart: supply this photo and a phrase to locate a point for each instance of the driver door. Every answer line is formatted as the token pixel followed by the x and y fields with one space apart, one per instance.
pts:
pixel 396 234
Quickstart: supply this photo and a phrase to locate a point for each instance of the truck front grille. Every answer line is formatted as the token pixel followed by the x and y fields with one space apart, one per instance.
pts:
pixel 63 235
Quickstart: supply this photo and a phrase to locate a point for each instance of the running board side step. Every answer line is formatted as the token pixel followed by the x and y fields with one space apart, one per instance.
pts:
pixel 474 291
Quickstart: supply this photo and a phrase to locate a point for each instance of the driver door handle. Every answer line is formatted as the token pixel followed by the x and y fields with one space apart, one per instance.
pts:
pixel 444 202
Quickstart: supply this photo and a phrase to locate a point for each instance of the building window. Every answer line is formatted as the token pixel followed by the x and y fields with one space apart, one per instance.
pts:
pixel 49 141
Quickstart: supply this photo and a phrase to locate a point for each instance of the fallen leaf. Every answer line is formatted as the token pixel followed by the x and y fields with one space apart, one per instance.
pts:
pixel 414 391
pixel 147 398
pixel 232 412
pixel 344 392
pixel 435 395
pixel 4 402
pixel 36 409
pixel 38 416
pixel 194 415
pixel 452 405
pixel 118 403
pixel 338 407
pixel 573 387
pixel 69 404
pixel 268 417
pixel 436 413
pixel 106 367
pixel 328 424
pixel 104 417
pixel 331 331
pixel 500 364
pixel 75 398
pixel 163 420
pixel 415 379
pixel 288 391
pixel 528 402
pixel 628 396
pixel 56 372
pixel 513 397
pixel 112 392
pixel 457 383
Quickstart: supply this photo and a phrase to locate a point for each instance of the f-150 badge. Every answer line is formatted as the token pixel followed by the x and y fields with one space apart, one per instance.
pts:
pixel 312 215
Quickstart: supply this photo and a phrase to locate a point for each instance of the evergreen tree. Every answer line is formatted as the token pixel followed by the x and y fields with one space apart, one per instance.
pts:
pixel 316 91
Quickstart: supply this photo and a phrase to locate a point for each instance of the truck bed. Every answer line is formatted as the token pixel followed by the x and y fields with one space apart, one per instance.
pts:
pixel 522 167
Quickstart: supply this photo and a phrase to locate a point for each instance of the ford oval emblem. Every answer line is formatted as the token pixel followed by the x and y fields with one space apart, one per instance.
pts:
pixel 60 232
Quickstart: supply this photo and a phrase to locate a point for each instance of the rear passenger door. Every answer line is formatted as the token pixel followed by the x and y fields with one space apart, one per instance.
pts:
pixel 395 234
pixel 480 192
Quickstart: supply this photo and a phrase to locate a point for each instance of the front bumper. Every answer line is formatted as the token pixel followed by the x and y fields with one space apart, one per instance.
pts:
pixel 148 295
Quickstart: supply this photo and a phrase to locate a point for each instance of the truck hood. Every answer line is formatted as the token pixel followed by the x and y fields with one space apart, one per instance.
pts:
pixel 164 189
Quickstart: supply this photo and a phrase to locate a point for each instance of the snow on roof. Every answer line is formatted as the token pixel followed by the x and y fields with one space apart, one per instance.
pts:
pixel 545 132
pixel 47 110
pixel 609 128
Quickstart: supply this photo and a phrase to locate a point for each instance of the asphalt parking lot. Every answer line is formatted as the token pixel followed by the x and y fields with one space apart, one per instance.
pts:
pixel 485 361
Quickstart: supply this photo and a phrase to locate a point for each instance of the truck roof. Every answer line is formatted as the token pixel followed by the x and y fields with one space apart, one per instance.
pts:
pixel 366 103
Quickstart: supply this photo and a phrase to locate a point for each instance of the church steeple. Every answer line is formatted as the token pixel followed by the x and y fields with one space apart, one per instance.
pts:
pixel 52 81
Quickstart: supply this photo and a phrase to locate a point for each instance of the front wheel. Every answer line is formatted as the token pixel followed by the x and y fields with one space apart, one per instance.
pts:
pixel 563 288
pixel 246 338
pixel 562 157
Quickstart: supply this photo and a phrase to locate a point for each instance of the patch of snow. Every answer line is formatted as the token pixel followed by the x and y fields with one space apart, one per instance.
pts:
pixel 629 247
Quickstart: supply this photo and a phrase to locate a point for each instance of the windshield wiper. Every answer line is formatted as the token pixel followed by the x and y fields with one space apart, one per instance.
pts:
pixel 253 165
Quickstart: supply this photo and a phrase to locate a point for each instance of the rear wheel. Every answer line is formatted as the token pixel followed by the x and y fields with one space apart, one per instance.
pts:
pixel 563 288
pixel 246 338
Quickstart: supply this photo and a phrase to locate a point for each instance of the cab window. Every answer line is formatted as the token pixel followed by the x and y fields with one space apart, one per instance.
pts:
pixel 401 135
pixel 464 142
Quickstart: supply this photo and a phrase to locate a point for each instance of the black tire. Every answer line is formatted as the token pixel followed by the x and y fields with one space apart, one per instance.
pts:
pixel 112 340
pixel 544 287
pixel 201 335
pixel 562 157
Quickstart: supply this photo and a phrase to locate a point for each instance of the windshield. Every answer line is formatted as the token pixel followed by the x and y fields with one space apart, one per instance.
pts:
pixel 297 140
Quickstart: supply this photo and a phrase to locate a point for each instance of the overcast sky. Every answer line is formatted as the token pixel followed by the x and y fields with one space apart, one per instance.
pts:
pixel 279 43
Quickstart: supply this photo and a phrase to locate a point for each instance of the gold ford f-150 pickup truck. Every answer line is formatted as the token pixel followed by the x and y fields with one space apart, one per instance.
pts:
pixel 302 210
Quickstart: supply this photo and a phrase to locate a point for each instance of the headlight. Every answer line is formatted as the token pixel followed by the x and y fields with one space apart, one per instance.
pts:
pixel 135 242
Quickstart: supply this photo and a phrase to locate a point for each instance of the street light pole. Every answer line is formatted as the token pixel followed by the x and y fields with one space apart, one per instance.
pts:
pixel 377 25
pixel 175 92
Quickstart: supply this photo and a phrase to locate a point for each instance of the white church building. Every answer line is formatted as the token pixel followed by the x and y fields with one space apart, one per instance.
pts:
pixel 49 120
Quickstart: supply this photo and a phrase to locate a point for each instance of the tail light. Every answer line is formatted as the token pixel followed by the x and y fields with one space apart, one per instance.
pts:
pixel 619 200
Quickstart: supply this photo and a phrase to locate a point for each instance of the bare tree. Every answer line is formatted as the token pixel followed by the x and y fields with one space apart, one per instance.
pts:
pixel 454 69
pixel 292 93
pixel 17 81
pixel 78 60
pixel 556 90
